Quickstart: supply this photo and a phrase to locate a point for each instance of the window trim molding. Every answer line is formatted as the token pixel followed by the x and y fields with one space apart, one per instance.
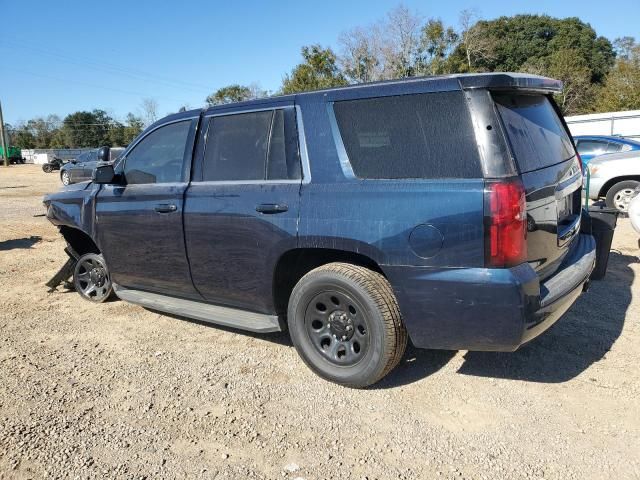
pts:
pixel 302 148
pixel 343 157
pixel 125 155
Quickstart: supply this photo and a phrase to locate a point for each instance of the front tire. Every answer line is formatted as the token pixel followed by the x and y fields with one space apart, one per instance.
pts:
pixel 47 168
pixel 65 177
pixel 619 195
pixel 345 323
pixel 91 278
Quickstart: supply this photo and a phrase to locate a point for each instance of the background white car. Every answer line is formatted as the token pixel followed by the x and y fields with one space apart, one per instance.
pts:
pixel 614 177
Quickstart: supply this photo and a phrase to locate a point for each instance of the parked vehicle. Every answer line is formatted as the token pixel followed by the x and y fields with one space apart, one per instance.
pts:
pixel 355 217
pixel 614 177
pixel 81 168
pixel 15 155
pixel 595 145
pixel 54 164
pixel 634 210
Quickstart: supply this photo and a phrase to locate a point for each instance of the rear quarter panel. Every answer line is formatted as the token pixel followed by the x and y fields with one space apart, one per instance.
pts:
pixel 377 217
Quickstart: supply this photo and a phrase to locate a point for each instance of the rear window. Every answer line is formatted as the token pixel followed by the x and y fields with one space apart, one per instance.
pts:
pixel 409 136
pixel 536 134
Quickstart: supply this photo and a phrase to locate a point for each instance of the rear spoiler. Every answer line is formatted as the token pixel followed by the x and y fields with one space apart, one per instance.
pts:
pixel 510 81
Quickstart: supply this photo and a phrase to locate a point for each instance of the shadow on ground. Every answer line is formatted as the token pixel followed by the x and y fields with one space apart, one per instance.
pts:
pixel 280 338
pixel 23 243
pixel 580 338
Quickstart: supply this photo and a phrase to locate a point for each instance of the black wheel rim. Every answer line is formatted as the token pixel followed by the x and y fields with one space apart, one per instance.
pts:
pixel 92 279
pixel 337 327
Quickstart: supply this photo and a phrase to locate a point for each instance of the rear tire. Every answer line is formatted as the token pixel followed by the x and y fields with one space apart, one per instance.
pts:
pixel 65 178
pixel 345 323
pixel 620 194
pixel 47 168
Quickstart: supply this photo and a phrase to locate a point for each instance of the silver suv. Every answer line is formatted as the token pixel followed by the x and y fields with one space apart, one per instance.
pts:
pixel 614 177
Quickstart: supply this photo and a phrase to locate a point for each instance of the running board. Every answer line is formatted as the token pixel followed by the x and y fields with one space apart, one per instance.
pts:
pixel 229 317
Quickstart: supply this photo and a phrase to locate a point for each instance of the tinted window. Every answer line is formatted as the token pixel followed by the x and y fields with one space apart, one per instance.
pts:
pixel 158 157
pixel 251 146
pixel 591 147
pixel 237 146
pixel 613 147
pixel 536 134
pixel 83 157
pixel 409 136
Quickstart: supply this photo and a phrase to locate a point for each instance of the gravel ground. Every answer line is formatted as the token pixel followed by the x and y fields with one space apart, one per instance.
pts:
pixel 119 391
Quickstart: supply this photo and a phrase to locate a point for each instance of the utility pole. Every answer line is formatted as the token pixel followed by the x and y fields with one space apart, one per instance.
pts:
pixel 5 144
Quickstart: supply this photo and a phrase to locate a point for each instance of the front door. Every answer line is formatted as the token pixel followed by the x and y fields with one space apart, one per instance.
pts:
pixel 139 222
pixel 241 209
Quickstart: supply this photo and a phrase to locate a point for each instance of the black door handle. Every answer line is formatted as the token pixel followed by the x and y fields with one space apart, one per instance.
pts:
pixel 272 208
pixel 165 208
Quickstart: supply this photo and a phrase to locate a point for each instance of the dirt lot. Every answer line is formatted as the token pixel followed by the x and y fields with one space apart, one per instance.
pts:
pixel 116 390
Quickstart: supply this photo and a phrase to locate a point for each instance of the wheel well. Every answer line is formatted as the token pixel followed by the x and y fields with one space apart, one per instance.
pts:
pixel 294 264
pixel 610 183
pixel 79 241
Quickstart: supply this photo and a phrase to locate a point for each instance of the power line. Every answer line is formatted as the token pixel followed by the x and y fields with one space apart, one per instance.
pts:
pixel 111 68
pixel 65 80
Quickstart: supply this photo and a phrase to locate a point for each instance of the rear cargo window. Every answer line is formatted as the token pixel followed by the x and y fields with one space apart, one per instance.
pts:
pixel 536 134
pixel 409 136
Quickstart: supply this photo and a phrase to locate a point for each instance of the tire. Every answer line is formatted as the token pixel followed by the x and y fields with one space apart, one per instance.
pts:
pixel 345 323
pixel 65 178
pixel 47 168
pixel 91 278
pixel 620 194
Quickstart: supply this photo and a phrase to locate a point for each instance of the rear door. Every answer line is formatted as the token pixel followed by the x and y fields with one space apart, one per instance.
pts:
pixel 241 209
pixel 550 170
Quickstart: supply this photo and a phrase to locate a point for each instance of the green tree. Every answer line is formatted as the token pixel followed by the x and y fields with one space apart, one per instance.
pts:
pixel 569 66
pixel 436 43
pixel 508 43
pixel 229 94
pixel 621 90
pixel 87 129
pixel 132 128
pixel 319 70
pixel 21 137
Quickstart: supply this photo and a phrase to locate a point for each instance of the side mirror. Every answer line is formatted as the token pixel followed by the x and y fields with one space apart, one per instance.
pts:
pixel 103 154
pixel 103 174
pixel 73 161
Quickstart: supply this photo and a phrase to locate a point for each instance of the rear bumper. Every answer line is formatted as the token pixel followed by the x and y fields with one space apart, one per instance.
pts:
pixel 488 309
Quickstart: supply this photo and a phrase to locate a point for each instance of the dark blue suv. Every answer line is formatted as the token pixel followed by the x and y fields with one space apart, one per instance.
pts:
pixel 445 210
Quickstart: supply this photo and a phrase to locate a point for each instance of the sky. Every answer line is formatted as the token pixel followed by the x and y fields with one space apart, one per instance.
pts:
pixel 60 57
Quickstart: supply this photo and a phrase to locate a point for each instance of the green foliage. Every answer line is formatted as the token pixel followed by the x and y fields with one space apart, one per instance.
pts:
pixel 87 129
pixel 229 94
pixel 436 43
pixel 319 70
pixel 79 129
pixel 621 90
pixel 508 43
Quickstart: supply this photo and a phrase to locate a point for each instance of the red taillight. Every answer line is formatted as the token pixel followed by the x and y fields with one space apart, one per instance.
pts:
pixel 505 223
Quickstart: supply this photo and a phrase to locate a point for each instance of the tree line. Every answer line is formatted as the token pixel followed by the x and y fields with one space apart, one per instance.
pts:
pixel 82 129
pixel 599 75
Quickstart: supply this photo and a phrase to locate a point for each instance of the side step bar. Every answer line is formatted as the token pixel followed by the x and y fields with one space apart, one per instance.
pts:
pixel 229 317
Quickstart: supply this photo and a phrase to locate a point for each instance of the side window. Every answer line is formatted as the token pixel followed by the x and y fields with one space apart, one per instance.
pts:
pixel 159 157
pixel 409 136
pixel 251 146
pixel 613 147
pixel 591 147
